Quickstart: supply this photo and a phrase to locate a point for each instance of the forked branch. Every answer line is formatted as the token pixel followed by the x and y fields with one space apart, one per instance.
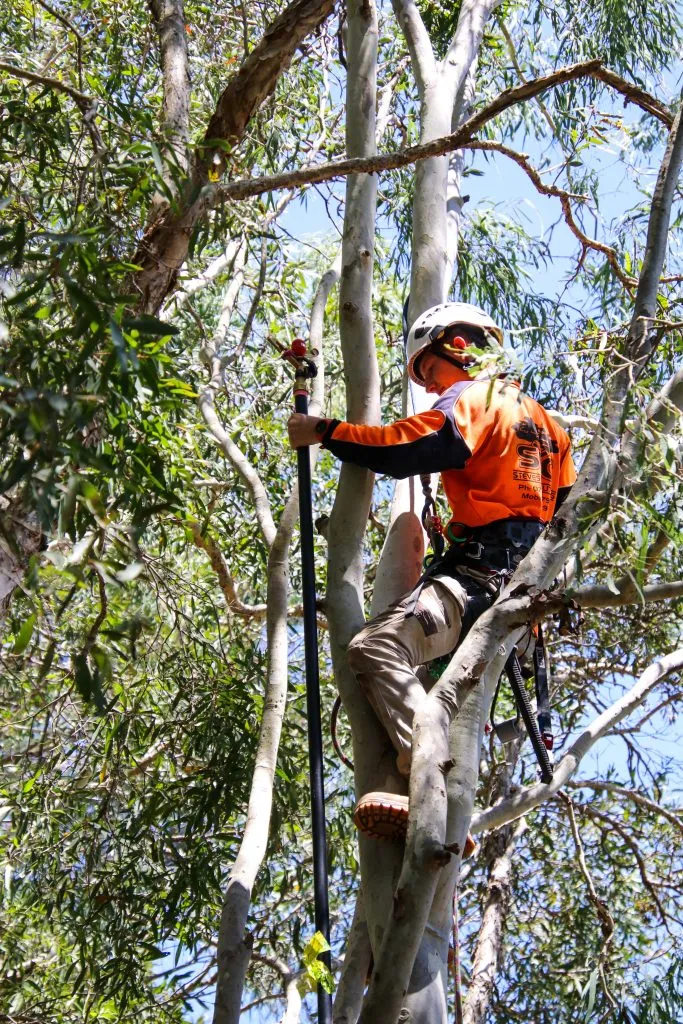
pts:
pixel 532 796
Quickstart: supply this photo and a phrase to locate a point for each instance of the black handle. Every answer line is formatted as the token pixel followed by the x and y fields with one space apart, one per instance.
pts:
pixel 315 742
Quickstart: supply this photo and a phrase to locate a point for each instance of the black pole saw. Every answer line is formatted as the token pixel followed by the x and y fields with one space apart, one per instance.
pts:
pixel 304 370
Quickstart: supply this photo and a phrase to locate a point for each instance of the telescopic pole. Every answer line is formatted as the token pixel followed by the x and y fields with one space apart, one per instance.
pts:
pixel 304 370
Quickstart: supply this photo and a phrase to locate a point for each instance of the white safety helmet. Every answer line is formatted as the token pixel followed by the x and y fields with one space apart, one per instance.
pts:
pixel 431 326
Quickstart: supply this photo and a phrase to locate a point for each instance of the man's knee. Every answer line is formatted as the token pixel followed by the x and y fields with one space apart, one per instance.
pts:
pixel 358 654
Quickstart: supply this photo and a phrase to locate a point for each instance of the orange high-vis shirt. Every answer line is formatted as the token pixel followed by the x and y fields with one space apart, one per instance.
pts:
pixel 500 454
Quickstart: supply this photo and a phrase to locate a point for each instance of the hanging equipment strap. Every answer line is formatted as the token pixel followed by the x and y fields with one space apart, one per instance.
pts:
pixel 431 520
pixel 514 674
pixel 304 370
pixel 543 715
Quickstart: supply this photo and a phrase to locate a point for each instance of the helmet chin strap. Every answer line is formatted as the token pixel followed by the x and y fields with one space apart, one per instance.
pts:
pixel 450 359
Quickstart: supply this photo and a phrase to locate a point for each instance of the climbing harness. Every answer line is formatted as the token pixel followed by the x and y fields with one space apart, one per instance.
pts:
pixel 497 549
pixel 304 370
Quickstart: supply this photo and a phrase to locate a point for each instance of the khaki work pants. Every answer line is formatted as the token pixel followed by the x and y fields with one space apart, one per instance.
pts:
pixel 385 654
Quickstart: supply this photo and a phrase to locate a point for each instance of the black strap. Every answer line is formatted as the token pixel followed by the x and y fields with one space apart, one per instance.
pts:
pixel 543 715
pixel 514 674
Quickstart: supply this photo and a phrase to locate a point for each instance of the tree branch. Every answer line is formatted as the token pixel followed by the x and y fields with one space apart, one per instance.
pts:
pixel 236 456
pixel 627 593
pixel 522 161
pixel 164 246
pixel 225 580
pixel 234 943
pixel 169 19
pixel 85 103
pixel 257 77
pixel 601 909
pixel 193 285
pixel 418 42
pixel 630 794
pixel 489 947
pixel 59 16
pixel 246 187
pixel 641 337
pixel 532 796
pixel 610 823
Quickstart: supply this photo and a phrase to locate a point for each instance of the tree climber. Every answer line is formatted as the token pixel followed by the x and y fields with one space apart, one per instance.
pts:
pixel 505 466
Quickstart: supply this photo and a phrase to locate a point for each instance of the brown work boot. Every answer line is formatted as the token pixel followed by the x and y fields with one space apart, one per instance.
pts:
pixel 385 816
pixel 382 815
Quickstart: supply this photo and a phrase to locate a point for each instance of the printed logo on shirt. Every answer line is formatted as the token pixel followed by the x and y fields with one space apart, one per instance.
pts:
pixel 534 461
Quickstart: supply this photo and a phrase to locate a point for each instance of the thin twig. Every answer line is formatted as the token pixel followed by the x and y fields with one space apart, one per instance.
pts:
pixel 602 911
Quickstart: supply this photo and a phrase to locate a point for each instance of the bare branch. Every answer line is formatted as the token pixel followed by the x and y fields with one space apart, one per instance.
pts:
pixel 225 580
pixel 522 161
pixel 246 187
pixel 357 958
pixel 531 796
pixel 601 909
pixel 169 19
pixel 418 42
pixel 384 97
pixel 568 422
pixel 72 28
pixel 626 593
pixel 193 285
pixel 84 102
pixel 236 456
pixel 610 823
pixel 629 794
pixel 290 981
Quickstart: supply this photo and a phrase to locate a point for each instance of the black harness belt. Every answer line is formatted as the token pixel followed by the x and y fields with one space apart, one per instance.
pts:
pixel 494 552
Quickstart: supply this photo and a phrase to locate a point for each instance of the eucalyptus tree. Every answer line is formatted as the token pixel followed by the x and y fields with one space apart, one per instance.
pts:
pixel 145 547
